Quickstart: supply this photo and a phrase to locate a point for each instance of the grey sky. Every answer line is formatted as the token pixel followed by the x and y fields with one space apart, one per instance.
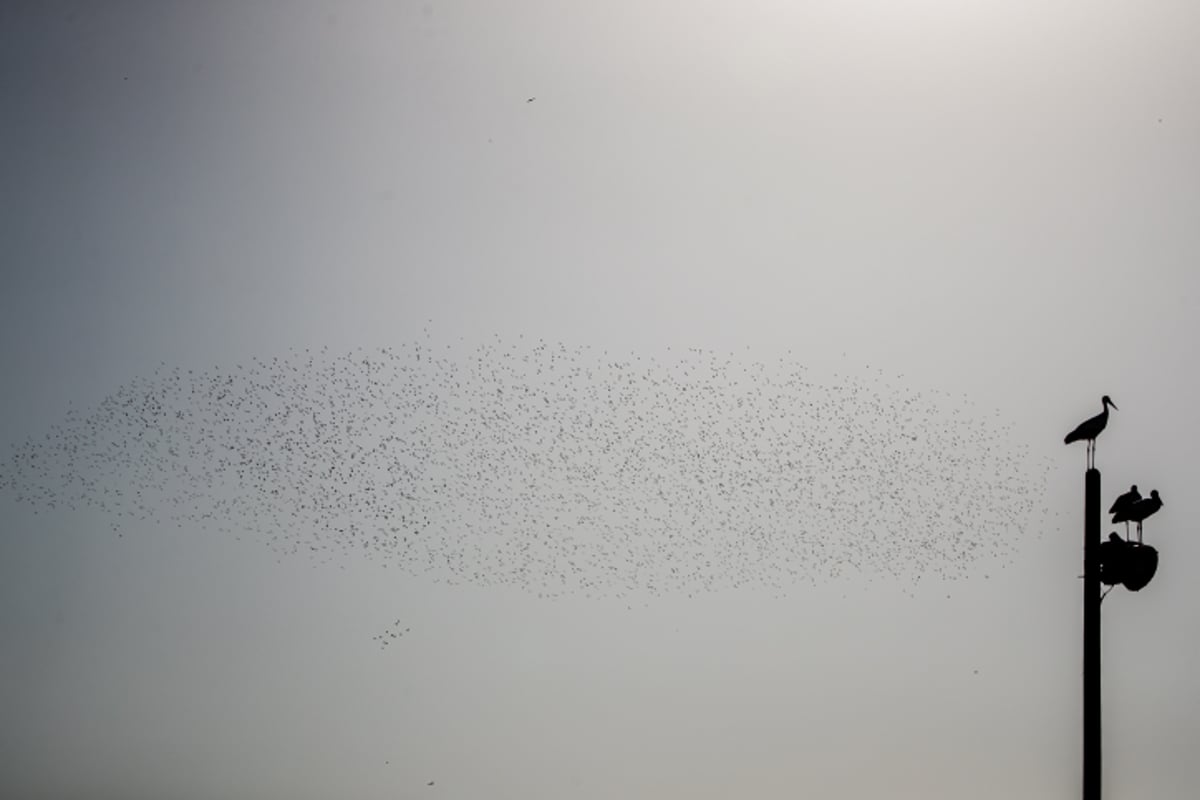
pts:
pixel 990 199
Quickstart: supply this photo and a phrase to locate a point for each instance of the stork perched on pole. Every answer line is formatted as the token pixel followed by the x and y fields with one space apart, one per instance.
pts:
pixel 1123 503
pixel 1137 512
pixel 1090 429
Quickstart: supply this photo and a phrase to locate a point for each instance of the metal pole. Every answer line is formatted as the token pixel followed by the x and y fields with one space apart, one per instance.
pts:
pixel 1091 635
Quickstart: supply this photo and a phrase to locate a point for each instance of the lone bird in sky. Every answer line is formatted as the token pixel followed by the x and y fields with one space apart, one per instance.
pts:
pixel 1090 429
pixel 1137 512
pixel 1122 503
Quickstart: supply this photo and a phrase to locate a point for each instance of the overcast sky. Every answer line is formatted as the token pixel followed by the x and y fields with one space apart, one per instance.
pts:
pixel 992 205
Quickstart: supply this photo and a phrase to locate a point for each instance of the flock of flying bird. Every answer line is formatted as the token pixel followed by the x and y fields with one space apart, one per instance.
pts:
pixel 390 634
pixel 1130 506
pixel 555 469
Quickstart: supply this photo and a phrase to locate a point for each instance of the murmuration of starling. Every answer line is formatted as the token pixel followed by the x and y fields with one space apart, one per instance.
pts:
pixel 562 470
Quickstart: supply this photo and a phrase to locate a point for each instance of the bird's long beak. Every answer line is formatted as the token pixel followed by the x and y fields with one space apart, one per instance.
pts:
pixel 1114 405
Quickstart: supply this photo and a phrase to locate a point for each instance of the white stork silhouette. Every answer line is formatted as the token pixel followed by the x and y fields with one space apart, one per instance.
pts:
pixel 1090 429
pixel 1137 512
pixel 1122 503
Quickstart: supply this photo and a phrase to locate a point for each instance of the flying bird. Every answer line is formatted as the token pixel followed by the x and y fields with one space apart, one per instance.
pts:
pixel 1090 429
pixel 1122 503
pixel 1137 512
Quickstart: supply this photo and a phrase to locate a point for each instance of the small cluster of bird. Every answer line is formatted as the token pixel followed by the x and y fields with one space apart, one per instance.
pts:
pixel 1130 506
pixel 390 634
pixel 556 469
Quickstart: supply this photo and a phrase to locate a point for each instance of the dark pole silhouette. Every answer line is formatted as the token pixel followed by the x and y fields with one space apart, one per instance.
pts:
pixel 1091 635
pixel 1087 431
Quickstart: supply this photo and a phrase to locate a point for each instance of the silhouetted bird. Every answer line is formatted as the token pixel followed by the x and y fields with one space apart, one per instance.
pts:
pixel 1090 429
pixel 1114 557
pixel 1139 511
pixel 1124 502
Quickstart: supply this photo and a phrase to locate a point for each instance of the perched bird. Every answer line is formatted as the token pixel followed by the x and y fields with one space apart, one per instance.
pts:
pixel 1139 511
pixel 1090 429
pixel 1114 555
pixel 1124 502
